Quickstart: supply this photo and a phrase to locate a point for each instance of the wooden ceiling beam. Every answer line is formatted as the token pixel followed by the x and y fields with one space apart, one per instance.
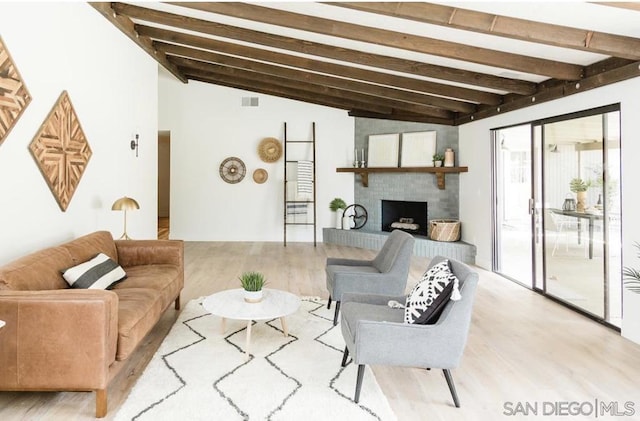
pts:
pixel 410 42
pixel 521 87
pixel 336 93
pixel 629 5
pixel 465 94
pixel 504 26
pixel 316 78
pixel 597 79
pixel 282 92
pixel 605 66
pixel 125 25
pixel 199 76
pixel 400 116
pixel 356 109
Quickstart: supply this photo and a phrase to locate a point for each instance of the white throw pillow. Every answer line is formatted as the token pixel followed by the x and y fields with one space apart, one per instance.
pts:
pixel 101 272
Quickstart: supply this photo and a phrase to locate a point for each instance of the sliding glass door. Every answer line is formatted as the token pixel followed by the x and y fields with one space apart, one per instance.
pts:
pixel 582 254
pixel 513 212
pixel 557 209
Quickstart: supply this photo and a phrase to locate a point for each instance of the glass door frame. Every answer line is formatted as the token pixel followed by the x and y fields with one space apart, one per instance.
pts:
pixel 495 224
pixel 538 255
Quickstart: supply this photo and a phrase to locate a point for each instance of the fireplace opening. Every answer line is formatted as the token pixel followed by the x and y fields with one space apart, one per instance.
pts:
pixel 407 216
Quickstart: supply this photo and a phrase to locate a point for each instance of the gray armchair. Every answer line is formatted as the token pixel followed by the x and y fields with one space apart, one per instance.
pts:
pixel 375 333
pixel 387 273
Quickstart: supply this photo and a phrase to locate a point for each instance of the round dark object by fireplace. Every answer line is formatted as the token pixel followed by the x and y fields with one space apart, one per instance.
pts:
pixel 358 214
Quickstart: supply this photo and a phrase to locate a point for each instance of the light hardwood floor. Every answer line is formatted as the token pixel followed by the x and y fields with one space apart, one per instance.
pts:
pixel 163 228
pixel 522 347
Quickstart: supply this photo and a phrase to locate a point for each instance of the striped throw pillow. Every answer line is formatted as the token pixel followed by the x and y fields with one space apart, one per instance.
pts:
pixel 101 272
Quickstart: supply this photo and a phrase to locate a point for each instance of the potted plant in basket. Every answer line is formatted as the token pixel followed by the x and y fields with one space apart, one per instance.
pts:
pixel 579 187
pixel 437 159
pixel 252 282
pixel 338 206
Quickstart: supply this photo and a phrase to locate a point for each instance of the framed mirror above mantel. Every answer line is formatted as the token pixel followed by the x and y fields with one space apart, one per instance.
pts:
pixel 438 171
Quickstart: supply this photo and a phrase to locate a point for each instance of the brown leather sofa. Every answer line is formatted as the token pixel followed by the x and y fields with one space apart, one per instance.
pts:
pixel 57 338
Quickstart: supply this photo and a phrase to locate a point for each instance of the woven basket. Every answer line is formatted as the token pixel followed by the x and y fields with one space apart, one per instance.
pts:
pixel 444 229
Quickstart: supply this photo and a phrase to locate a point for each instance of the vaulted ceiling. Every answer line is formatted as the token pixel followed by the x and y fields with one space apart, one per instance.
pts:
pixel 442 63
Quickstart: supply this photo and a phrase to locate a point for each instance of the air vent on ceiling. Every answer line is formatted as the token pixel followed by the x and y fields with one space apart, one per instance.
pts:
pixel 250 101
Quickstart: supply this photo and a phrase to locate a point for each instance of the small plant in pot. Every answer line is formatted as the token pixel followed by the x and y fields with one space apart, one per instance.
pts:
pixel 437 159
pixel 580 187
pixel 338 206
pixel 252 282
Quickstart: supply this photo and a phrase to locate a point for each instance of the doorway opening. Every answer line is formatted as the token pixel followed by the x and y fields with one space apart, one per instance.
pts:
pixel 164 183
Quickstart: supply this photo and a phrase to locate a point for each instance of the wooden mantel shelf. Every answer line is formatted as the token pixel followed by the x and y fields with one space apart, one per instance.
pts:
pixel 438 171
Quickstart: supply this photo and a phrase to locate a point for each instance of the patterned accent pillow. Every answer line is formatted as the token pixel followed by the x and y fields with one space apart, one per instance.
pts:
pixel 101 272
pixel 427 299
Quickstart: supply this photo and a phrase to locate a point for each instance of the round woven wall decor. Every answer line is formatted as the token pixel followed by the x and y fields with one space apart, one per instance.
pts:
pixel 260 175
pixel 270 149
pixel 232 170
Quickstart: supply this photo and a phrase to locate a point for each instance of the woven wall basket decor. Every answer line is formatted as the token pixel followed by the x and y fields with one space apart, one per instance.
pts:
pixel 232 170
pixel 270 149
pixel 260 175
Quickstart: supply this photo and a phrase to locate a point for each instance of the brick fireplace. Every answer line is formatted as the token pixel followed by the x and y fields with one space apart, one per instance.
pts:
pixel 405 187
pixel 408 187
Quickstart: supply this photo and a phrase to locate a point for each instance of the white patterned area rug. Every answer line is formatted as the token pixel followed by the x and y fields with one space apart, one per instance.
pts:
pixel 198 373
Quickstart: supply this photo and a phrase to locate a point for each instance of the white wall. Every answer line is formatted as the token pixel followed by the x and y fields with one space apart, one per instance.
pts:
pixel 475 187
pixel 208 124
pixel 113 87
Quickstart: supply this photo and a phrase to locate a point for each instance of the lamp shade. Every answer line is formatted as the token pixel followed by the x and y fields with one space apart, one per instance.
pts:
pixel 125 204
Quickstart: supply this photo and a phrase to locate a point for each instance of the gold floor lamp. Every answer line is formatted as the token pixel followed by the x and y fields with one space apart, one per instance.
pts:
pixel 125 204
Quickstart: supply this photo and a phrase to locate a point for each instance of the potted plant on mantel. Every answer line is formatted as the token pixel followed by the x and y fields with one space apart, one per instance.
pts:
pixel 437 159
pixel 252 282
pixel 338 206
pixel 580 187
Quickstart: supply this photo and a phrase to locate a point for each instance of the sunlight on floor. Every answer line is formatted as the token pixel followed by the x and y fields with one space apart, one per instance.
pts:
pixel 571 276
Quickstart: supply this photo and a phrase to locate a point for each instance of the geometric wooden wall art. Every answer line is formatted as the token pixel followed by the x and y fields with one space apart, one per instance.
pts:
pixel 61 150
pixel 14 96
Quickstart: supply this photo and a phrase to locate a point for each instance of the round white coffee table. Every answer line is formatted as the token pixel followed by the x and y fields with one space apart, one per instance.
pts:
pixel 230 304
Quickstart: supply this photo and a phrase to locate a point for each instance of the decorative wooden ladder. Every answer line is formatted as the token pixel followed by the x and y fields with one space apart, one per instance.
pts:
pixel 296 203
